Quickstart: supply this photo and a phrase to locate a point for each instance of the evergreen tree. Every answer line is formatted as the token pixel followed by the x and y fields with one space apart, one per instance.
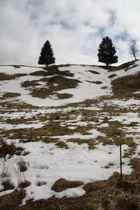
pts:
pixel 106 52
pixel 46 55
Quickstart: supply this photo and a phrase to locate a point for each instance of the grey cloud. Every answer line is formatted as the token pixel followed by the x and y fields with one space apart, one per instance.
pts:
pixel 74 28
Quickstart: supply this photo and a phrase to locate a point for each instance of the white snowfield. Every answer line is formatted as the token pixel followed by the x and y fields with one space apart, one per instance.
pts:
pixel 46 163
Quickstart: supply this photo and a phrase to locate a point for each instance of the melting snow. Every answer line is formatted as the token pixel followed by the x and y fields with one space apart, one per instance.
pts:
pixel 46 162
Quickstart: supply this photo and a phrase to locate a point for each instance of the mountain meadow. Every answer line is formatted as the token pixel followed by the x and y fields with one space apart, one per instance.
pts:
pixel 61 130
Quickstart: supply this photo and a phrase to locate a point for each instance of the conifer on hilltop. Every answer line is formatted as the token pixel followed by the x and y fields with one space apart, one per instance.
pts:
pixel 106 52
pixel 46 55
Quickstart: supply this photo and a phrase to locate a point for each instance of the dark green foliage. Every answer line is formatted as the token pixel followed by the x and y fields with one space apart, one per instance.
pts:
pixel 106 52
pixel 46 55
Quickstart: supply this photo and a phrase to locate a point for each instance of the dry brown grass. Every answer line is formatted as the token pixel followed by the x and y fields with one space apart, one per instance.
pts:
pixel 111 194
pixel 126 86
pixel 4 76
pixel 126 66
pixel 63 184
pixel 10 95
pixel 10 149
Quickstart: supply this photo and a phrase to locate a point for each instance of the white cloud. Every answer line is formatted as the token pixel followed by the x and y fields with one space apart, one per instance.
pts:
pixel 74 28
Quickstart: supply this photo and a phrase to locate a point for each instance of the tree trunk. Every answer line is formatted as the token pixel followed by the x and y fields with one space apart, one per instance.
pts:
pixel 107 64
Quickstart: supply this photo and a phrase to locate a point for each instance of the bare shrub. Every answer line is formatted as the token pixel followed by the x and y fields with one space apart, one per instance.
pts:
pixel 10 149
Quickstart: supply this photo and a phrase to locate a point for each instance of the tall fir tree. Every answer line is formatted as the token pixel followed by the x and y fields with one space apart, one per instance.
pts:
pixel 106 52
pixel 46 55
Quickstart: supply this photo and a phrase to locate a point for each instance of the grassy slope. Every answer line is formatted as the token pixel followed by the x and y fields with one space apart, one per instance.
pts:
pixel 111 194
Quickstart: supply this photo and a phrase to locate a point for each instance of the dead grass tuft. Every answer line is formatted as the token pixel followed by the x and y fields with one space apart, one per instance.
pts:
pixel 94 72
pixel 7 184
pixel 10 149
pixel 90 142
pixel 62 144
pixel 22 165
pixel 12 201
pixel 63 184
pixel 4 76
pixel 24 184
pixel 10 95
pixel 64 95
pixel 126 86
pixel 125 66
pixel 135 163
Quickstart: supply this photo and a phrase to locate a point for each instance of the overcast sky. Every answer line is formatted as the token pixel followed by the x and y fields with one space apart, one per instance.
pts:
pixel 75 29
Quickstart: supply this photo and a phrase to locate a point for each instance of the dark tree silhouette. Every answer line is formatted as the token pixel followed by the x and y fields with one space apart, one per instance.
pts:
pixel 106 52
pixel 46 55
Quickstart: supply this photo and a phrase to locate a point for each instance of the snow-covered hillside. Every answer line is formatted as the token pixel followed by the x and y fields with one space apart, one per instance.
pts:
pixel 75 137
pixel 85 90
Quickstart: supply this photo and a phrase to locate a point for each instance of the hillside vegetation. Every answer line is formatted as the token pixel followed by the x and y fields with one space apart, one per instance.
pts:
pixel 60 133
